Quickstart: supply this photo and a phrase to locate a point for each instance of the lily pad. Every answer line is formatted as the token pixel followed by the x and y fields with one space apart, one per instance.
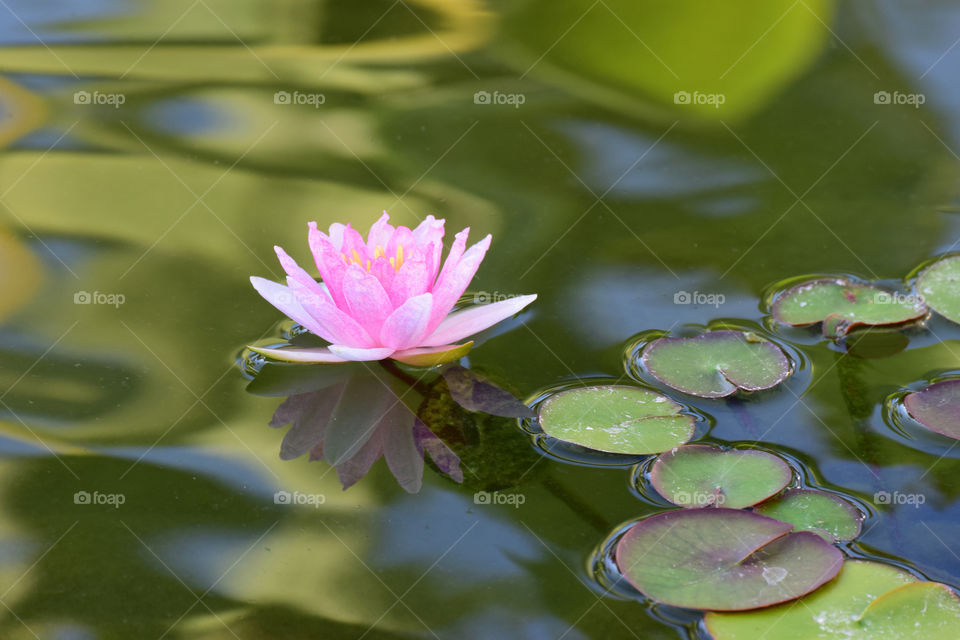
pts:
pixel 827 515
pixel 867 601
pixel 939 284
pixel 841 305
pixel 724 559
pixel 717 363
pixel 698 475
pixel 616 419
pixel 937 407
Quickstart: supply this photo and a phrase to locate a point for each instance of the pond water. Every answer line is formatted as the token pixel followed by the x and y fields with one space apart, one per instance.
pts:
pixel 641 168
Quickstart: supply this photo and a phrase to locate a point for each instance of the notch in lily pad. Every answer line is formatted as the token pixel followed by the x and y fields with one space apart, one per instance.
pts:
pixel 717 363
pixel 827 515
pixel 723 559
pixel 841 305
pixel 616 419
pixel 699 475
pixel 939 285
pixel 867 601
pixel 937 407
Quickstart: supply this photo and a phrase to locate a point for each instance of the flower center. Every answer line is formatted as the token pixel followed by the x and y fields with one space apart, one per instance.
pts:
pixel 395 261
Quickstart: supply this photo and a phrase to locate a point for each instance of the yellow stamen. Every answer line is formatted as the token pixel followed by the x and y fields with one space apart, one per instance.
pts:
pixel 399 257
pixel 356 257
pixel 378 252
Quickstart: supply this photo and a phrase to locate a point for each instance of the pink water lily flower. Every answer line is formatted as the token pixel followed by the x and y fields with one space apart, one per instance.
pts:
pixel 386 296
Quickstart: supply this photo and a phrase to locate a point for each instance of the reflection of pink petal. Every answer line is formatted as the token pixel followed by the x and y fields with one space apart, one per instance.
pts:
pixel 460 324
pixel 352 470
pixel 400 450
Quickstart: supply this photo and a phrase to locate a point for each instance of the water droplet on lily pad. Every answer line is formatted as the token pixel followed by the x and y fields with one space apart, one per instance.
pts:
pixel 723 559
pixel 616 419
pixel 867 601
pixel 825 514
pixel 939 285
pixel 717 363
pixel 698 475
pixel 937 407
pixel 842 304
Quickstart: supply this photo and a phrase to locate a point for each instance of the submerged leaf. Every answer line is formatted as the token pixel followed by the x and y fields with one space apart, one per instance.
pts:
pixel 697 475
pixel 723 559
pixel 716 363
pixel 937 407
pixel 842 304
pixel 473 392
pixel 939 284
pixel 825 514
pixel 616 419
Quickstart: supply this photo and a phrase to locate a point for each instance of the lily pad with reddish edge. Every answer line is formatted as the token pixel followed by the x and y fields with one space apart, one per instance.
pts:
pixel 842 304
pixel 937 407
pixel 717 363
pixel 616 419
pixel 699 475
pixel 867 601
pixel 723 559
pixel 939 284
pixel 825 514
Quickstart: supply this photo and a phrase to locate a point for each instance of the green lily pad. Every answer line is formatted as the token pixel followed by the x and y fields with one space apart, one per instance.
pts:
pixel 616 419
pixel 717 363
pixel 937 407
pixel 825 514
pixel 841 305
pixel 867 601
pixel 698 475
pixel 939 284
pixel 723 559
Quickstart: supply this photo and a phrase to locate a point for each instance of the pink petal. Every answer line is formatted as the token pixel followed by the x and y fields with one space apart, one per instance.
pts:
pixel 284 299
pixel 294 270
pixel 467 322
pixel 380 234
pixel 356 354
pixel 429 233
pixel 314 354
pixel 407 325
pixel 453 282
pixel 353 241
pixel 339 328
pixel 366 301
pixel 411 279
pixel 329 260
pixel 430 356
